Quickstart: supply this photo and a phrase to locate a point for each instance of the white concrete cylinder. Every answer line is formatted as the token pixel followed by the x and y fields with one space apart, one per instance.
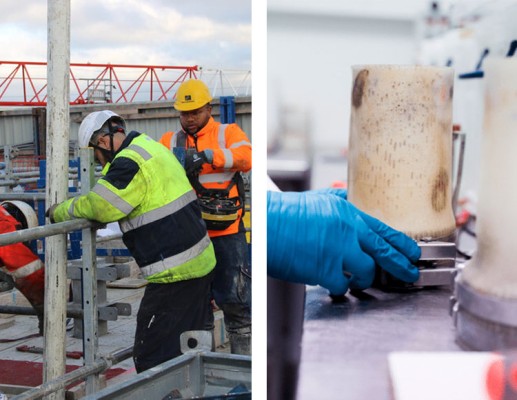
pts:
pixel 400 150
pixel 493 269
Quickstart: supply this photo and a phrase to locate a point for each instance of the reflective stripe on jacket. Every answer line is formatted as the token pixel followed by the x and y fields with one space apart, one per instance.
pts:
pixel 232 153
pixel 146 190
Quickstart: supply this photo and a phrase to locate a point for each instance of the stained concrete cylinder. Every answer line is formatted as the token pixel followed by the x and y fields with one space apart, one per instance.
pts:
pixel 493 269
pixel 400 149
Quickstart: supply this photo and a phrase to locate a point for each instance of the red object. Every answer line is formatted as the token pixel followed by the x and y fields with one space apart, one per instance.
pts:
pixel 495 380
pixel 512 378
pixel 156 82
pixel 22 264
pixel 501 379
pixel 28 373
pixel 38 350
pixel 338 185
pixel 462 218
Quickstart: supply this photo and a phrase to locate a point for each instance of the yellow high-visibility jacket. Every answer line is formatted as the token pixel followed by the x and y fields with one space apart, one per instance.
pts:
pixel 146 190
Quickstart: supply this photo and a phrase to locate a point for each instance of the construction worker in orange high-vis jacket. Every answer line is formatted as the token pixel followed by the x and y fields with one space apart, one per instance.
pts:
pixel 18 261
pixel 214 155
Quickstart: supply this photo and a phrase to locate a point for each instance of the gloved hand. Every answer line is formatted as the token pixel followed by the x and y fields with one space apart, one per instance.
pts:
pixel 195 161
pixel 50 213
pixel 322 239
pixel 343 193
pixel 209 155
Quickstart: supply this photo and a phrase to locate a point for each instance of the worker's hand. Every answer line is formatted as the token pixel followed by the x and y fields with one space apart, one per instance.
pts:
pixel 50 213
pixel 208 154
pixel 322 239
pixel 195 161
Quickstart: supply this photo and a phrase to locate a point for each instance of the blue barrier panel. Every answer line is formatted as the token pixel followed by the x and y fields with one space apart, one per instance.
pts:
pixel 227 104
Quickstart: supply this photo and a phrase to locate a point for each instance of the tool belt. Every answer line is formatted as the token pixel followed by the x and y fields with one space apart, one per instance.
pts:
pixel 218 210
pixel 219 214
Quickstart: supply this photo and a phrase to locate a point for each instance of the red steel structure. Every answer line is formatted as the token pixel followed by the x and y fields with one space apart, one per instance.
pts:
pixel 21 85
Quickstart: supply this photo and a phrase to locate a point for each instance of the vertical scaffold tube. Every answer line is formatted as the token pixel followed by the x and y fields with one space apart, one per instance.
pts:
pixel 58 111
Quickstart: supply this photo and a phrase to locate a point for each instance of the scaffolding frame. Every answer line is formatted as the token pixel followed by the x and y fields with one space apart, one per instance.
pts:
pixel 154 82
pixel 94 363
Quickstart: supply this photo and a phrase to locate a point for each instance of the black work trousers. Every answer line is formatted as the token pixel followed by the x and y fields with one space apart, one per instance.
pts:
pixel 166 311
pixel 232 282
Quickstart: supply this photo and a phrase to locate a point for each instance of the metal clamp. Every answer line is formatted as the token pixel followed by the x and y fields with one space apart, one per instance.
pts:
pixel 438 261
pixel 433 251
pixel 436 277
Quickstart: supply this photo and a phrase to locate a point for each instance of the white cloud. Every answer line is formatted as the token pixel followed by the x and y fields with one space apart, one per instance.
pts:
pixel 154 32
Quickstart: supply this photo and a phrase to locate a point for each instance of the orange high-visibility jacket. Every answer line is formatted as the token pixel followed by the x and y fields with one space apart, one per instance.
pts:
pixel 232 153
pixel 21 263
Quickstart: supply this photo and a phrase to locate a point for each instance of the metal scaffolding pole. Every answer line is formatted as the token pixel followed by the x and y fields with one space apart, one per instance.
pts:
pixel 58 123
pixel 102 364
pixel 27 196
pixel 89 274
pixel 25 235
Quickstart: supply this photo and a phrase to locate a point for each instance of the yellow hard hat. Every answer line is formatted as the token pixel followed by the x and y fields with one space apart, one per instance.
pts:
pixel 191 95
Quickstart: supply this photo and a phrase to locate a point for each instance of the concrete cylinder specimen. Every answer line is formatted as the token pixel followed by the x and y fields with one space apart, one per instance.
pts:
pixel 400 148
pixel 493 269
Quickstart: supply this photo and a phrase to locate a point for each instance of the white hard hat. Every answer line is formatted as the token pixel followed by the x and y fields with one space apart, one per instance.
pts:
pixel 92 123
pixel 22 212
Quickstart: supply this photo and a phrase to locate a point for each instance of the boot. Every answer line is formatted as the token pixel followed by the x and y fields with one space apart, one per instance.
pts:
pixel 6 282
pixel 33 290
pixel 40 315
pixel 240 343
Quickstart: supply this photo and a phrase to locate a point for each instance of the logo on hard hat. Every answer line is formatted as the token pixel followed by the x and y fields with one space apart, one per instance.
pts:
pixel 188 97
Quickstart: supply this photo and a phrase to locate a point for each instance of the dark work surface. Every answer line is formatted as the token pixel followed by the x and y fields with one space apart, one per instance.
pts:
pixel 345 345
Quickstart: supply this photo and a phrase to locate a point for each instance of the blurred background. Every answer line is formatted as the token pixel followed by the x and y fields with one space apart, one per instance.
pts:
pixel 312 46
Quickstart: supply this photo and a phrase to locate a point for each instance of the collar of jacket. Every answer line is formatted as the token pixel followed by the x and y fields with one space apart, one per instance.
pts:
pixel 127 141
pixel 207 128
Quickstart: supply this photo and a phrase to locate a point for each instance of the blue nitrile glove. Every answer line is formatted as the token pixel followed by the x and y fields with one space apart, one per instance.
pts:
pixel 343 193
pixel 321 239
